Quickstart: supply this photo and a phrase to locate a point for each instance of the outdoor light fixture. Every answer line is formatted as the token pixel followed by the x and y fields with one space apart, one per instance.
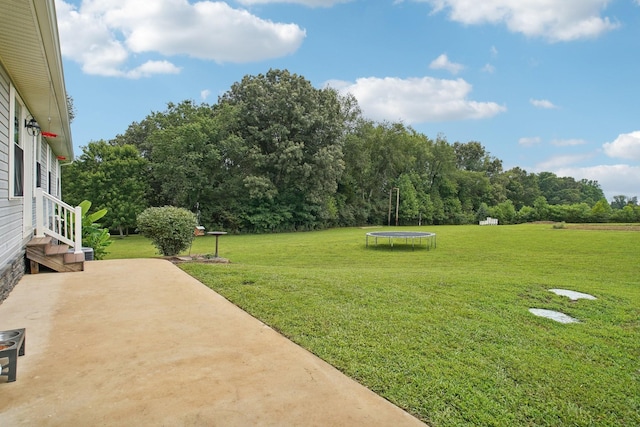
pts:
pixel 32 126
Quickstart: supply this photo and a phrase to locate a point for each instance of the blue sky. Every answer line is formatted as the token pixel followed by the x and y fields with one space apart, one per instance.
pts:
pixel 546 85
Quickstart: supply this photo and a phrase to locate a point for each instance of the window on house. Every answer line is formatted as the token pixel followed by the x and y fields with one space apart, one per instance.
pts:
pixel 38 175
pixel 39 163
pixel 18 151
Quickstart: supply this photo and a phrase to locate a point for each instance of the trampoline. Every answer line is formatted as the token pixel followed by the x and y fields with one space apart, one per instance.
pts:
pixel 429 238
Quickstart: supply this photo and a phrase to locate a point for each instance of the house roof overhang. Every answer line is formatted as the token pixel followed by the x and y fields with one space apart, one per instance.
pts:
pixel 30 53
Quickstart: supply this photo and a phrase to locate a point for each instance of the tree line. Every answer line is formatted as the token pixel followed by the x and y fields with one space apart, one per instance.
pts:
pixel 276 154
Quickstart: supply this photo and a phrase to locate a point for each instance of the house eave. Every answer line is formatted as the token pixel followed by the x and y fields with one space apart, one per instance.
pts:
pixel 30 53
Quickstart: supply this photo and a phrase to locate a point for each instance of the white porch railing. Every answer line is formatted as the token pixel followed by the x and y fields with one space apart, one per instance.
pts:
pixel 59 220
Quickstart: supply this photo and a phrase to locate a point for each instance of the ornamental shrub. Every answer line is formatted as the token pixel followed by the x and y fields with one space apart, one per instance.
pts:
pixel 171 229
pixel 93 235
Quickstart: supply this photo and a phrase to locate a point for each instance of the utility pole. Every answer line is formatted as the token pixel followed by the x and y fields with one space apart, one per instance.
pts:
pixel 397 204
pixel 389 220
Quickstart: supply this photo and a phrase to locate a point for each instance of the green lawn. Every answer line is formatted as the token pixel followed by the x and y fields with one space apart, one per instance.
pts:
pixel 446 333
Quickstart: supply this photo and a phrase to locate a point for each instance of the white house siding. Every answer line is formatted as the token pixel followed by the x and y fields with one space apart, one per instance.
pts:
pixel 4 136
pixel 44 157
pixel 12 244
pixel 41 158
pixel 55 177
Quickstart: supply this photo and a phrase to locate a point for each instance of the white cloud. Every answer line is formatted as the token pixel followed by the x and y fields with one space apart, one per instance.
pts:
pixel 564 20
pixel 416 100
pixel 310 3
pixel 556 162
pixel 104 35
pixel 568 142
pixel 619 179
pixel 442 63
pixel 150 68
pixel 488 68
pixel 625 146
pixel 529 141
pixel 204 94
pixel 494 50
pixel 542 103
pixel 614 180
pixel 88 40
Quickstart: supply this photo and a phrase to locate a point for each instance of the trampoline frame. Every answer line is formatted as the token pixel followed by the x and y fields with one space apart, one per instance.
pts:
pixel 413 235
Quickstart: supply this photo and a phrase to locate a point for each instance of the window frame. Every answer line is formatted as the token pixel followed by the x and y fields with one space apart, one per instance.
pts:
pixel 14 99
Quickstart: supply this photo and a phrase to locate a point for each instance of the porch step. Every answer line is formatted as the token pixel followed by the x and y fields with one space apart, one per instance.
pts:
pixel 71 257
pixel 56 249
pixel 40 241
pixel 44 251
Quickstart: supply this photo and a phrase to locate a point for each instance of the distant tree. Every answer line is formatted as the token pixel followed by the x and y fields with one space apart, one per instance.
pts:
pixel 577 213
pixel 409 203
pixel 111 177
pixel 601 211
pixel 541 208
pixel 293 136
pixel 472 156
pixel 505 212
pixel 71 108
pixel 183 161
pixel 629 213
pixel 620 201
pixel 139 134
pixel 566 190
pixel 473 188
pixel 591 192
pixel 277 154
pixel 526 214
pixel 521 187
pixel 483 212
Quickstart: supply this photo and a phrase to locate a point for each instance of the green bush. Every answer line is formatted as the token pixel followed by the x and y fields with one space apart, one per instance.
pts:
pixel 170 229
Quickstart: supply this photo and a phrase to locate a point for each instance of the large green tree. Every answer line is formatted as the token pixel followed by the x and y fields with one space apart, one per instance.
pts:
pixel 111 177
pixel 275 153
pixel 292 134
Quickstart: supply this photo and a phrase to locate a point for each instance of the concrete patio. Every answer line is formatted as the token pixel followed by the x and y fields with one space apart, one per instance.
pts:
pixel 140 342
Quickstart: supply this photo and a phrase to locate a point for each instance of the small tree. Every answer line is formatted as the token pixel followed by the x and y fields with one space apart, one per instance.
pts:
pixel 170 229
pixel 93 235
pixel 601 211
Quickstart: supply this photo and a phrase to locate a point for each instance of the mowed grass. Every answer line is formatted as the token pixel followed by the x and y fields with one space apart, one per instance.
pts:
pixel 446 333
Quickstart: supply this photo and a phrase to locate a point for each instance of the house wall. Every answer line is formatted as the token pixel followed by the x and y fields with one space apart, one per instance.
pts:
pixel 56 173
pixel 12 243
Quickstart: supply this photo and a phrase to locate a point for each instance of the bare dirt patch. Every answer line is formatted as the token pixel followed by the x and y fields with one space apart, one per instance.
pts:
pixel 612 227
pixel 203 259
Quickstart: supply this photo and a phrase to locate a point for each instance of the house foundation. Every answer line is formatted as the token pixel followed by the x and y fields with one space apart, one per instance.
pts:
pixel 11 274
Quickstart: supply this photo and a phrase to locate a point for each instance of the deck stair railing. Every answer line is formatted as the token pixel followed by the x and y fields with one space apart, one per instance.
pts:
pixel 59 220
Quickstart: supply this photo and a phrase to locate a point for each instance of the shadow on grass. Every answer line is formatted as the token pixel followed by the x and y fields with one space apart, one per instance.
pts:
pixel 399 247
